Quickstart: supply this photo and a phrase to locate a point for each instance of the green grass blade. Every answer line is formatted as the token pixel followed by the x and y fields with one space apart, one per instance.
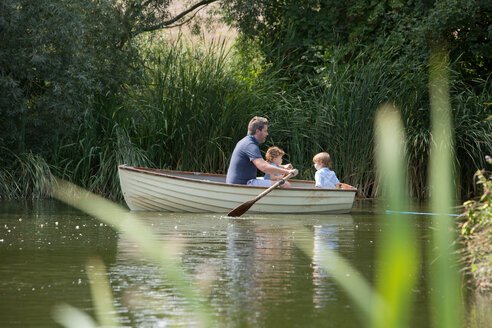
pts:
pixel 101 293
pixel 70 317
pixel 354 284
pixel 398 250
pixel 444 272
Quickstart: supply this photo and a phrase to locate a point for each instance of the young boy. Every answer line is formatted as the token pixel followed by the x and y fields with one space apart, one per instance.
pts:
pixel 274 157
pixel 324 177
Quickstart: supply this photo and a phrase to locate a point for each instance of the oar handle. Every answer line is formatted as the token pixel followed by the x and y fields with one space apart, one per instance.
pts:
pixel 238 211
pixel 275 185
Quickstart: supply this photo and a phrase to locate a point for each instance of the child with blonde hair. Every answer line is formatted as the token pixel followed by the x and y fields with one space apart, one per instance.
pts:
pixel 324 177
pixel 274 157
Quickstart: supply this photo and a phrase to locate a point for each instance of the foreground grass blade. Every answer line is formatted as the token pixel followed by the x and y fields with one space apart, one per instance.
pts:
pixel 127 223
pixel 101 293
pixel 444 272
pixel 70 317
pixel 398 251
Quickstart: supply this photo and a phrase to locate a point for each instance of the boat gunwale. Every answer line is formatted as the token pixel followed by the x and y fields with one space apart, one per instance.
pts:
pixel 162 172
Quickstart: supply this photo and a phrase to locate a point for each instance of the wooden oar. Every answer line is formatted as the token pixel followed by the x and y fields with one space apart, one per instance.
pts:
pixel 241 209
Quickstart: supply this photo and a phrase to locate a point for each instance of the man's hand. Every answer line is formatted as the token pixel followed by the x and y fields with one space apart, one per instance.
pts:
pixel 294 172
pixel 265 167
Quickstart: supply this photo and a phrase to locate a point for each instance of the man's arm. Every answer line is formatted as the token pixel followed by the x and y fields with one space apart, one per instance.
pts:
pixel 265 167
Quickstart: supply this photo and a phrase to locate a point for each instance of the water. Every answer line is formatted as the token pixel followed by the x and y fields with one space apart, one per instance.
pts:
pixel 251 271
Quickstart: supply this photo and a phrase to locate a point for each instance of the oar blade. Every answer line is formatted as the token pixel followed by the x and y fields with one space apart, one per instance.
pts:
pixel 241 209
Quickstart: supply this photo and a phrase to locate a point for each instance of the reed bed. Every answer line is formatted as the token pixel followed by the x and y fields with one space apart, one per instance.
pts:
pixel 193 102
pixel 333 112
pixel 29 175
pixel 189 109
pixel 476 235
pixel 101 145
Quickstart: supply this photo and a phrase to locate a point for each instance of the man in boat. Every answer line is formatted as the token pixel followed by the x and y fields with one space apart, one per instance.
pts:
pixel 246 157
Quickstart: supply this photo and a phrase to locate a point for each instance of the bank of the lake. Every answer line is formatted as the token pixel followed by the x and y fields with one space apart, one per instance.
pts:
pixel 187 114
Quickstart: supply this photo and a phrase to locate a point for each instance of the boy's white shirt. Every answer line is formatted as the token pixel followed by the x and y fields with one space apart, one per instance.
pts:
pixel 325 178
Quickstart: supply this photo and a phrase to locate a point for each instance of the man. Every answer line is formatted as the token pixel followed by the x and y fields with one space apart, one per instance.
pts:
pixel 246 157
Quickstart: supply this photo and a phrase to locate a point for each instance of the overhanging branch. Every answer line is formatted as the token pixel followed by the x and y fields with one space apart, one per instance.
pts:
pixel 178 17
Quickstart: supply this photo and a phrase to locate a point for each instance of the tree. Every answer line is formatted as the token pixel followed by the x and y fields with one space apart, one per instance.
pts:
pixel 309 30
pixel 137 17
pixel 58 56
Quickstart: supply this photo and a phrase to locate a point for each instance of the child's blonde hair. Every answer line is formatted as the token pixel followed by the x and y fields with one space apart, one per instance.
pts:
pixel 323 159
pixel 273 152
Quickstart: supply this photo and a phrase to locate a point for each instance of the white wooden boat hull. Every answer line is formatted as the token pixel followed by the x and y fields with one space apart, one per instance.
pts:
pixel 174 191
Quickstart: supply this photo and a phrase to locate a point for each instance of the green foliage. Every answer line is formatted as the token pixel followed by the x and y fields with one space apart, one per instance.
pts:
pixel 101 144
pixel 185 114
pixel 444 276
pixel 55 57
pixel 188 113
pixel 476 234
pixel 465 28
pixel 325 115
pixel 341 99
pixel 366 53
pixel 28 176
pixel 88 103
pixel 479 213
pixel 308 32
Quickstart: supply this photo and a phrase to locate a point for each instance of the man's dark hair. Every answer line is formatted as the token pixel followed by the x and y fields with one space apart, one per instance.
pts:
pixel 256 123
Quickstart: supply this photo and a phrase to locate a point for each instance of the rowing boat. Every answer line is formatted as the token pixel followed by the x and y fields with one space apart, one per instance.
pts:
pixel 147 189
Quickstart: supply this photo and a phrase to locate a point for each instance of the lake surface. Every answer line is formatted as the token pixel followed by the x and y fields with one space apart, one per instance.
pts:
pixel 255 274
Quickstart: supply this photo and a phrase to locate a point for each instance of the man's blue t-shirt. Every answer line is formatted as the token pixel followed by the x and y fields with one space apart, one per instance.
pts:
pixel 241 168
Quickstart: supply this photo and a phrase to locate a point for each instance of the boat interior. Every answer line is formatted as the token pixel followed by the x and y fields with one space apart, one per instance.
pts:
pixel 221 178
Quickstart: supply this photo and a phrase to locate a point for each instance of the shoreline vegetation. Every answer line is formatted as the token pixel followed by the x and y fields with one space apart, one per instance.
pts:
pixel 187 114
pixel 476 235
pixel 160 84
pixel 475 250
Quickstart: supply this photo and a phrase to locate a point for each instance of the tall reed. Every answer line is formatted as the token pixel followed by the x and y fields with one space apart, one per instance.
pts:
pixel 444 277
pixel 398 249
pixel 101 145
pixel 190 110
pixel 332 113
pixel 193 102
pixel 28 175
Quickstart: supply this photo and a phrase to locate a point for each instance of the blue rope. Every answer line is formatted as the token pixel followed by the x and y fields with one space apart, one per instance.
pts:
pixel 417 213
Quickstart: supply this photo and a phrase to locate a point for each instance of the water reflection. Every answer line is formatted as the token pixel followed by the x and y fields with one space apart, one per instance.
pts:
pixel 43 252
pixel 259 275
pixel 327 237
pixel 144 297
pixel 250 269
pixel 479 310
pixel 259 269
